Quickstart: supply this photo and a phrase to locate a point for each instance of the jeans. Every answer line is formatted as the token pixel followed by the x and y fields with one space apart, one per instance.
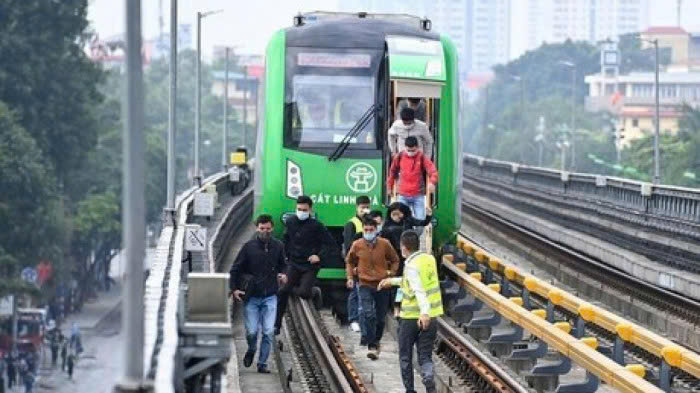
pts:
pixel 354 306
pixel 409 335
pixel 260 312
pixel 416 203
pixel 372 318
pixel 299 282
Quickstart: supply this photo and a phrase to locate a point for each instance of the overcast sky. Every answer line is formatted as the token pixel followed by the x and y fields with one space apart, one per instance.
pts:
pixel 248 24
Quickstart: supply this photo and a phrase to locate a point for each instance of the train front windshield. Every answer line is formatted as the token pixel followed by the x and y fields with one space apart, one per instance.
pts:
pixel 327 92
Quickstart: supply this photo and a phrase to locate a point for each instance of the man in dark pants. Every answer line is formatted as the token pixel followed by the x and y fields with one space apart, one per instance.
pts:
pixel 421 302
pixel 351 232
pixel 375 259
pixel 307 242
pixel 262 260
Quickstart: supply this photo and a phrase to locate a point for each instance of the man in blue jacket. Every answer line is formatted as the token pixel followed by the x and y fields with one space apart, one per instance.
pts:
pixel 254 279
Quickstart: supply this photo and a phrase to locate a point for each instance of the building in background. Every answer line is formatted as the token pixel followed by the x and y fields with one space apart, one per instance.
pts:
pixel 633 101
pixel 552 21
pixel 488 41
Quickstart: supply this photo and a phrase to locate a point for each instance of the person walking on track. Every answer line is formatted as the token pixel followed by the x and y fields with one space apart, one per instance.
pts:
pixel 262 261
pixel 421 303
pixel 351 232
pixel 374 259
pixel 307 243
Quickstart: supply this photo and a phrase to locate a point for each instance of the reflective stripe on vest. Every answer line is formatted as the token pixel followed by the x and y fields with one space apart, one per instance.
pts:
pixel 426 267
pixel 358 224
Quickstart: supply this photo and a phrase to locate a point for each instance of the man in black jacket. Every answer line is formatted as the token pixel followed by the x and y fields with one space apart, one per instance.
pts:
pixel 254 278
pixel 307 242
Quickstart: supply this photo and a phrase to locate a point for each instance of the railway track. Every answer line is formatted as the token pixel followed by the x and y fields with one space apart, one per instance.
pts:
pixel 657 297
pixel 313 344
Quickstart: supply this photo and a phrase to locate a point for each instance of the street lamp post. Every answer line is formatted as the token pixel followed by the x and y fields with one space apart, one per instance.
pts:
pixel 172 114
pixel 224 161
pixel 133 213
pixel 198 94
pixel 657 119
pixel 573 109
pixel 522 101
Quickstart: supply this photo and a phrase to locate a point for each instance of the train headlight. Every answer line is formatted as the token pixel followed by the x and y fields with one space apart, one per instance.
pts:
pixel 295 187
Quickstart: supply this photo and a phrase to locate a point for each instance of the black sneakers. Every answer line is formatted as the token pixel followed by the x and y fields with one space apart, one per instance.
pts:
pixel 263 370
pixel 248 359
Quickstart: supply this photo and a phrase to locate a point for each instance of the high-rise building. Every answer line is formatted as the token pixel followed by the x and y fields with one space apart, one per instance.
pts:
pixel 554 21
pixel 488 39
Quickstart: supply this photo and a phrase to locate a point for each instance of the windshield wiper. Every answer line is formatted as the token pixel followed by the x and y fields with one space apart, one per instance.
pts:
pixel 354 132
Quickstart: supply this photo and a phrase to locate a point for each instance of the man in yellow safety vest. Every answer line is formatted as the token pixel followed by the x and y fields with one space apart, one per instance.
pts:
pixel 421 302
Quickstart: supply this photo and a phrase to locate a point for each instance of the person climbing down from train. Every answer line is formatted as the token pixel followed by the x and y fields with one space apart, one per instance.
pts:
pixel 421 303
pixel 415 103
pixel 410 168
pixel 351 232
pixel 307 243
pixel 407 126
pixel 254 279
pixel 375 260
pixel 399 220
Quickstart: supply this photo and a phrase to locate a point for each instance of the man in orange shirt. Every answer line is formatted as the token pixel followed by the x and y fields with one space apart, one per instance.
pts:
pixel 375 260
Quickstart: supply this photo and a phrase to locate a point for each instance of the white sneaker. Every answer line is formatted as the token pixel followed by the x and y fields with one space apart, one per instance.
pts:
pixel 355 327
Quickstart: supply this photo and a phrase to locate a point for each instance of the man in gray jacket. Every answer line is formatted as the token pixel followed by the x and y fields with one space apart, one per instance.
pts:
pixel 407 126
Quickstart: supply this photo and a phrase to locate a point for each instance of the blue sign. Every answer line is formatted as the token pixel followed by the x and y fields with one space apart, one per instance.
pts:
pixel 29 274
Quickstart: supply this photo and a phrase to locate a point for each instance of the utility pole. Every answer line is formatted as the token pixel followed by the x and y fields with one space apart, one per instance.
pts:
pixel 540 140
pixel 172 113
pixel 224 161
pixel 657 175
pixel 573 117
pixel 14 322
pixel 245 106
pixel 198 96
pixel 133 215
pixel 198 101
pixel 573 110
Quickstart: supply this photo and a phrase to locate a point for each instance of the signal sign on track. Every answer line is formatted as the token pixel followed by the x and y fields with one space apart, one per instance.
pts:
pixel 195 238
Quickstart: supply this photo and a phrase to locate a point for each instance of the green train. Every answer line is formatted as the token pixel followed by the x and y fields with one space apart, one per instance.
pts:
pixel 331 87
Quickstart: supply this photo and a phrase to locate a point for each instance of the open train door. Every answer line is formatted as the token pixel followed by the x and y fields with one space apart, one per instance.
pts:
pixel 417 70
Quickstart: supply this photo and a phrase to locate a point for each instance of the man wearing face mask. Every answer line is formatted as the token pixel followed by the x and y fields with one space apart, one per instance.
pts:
pixel 410 168
pixel 351 232
pixel 421 303
pixel 375 260
pixel 307 243
pixel 406 127
pixel 262 260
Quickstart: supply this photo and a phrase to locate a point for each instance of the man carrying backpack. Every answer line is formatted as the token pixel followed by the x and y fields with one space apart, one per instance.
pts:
pixel 410 168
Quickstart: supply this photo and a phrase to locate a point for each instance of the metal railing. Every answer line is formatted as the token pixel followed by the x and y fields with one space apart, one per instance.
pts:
pixel 667 208
pixel 169 269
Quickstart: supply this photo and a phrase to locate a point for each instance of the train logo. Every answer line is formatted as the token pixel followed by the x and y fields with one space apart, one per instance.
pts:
pixel 361 177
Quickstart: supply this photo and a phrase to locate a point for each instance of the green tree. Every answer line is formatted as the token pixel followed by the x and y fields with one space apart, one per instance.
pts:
pixel 47 79
pixel 31 229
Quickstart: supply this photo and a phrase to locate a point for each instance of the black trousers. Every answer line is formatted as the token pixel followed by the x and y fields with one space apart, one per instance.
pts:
pixel 299 283
pixel 410 335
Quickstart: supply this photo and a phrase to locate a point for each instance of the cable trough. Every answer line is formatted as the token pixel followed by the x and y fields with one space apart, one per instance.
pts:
pixel 657 297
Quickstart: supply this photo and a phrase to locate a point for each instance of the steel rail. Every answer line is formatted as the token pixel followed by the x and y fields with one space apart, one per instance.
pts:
pixel 490 372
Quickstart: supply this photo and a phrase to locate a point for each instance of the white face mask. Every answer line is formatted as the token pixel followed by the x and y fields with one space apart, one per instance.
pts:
pixel 412 153
pixel 364 211
pixel 302 215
